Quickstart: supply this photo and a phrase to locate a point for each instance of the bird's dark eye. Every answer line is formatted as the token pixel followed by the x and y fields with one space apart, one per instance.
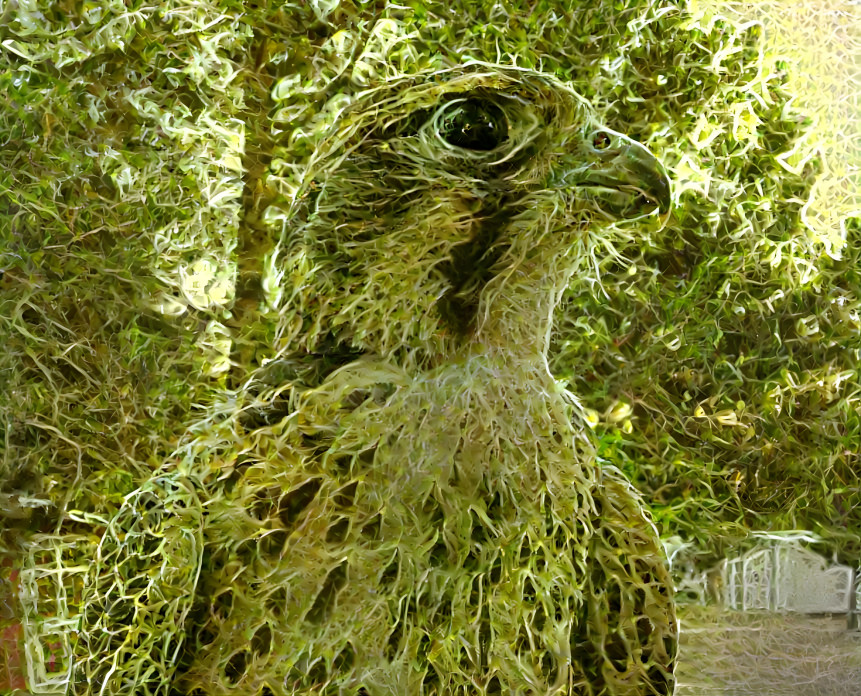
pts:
pixel 473 124
pixel 601 140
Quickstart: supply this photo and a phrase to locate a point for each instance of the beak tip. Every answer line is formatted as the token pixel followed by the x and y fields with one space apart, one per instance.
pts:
pixel 658 184
pixel 665 201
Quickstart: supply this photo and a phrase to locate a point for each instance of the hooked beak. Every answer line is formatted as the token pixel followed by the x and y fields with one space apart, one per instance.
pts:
pixel 620 175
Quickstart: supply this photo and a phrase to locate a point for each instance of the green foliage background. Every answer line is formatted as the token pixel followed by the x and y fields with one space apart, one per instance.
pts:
pixel 717 359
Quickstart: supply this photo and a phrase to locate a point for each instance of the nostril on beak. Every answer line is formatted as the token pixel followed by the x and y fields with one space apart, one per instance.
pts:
pixel 601 140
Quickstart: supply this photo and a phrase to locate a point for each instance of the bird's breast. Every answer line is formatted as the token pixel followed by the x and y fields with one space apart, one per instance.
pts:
pixel 455 507
pixel 479 427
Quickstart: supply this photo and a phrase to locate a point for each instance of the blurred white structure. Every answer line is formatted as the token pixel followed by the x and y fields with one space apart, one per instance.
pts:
pixel 768 622
pixel 784 576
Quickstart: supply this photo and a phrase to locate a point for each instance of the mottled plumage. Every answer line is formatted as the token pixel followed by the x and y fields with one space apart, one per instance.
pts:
pixel 405 502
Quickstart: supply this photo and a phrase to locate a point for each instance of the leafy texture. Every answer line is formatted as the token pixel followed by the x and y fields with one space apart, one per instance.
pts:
pixel 248 269
pixel 400 501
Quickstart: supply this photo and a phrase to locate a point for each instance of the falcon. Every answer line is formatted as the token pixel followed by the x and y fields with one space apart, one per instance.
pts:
pixel 406 501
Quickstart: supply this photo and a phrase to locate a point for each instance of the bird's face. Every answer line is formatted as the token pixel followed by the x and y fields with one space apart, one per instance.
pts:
pixel 443 206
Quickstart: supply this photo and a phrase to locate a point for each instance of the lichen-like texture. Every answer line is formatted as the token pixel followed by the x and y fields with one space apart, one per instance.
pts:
pixel 282 288
pixel 404 503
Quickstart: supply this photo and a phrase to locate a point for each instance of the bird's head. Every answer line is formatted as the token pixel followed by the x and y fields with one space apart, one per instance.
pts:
pixel 446 209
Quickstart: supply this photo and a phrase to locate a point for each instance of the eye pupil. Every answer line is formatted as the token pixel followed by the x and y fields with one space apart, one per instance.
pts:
pixel 474 124
pixel 601 141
